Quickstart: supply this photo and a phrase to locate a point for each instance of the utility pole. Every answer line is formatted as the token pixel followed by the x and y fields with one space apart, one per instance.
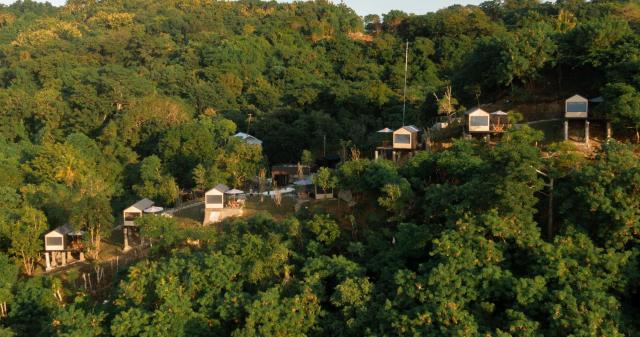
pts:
pixel 249 124
pixel 404 96
pixel 324 145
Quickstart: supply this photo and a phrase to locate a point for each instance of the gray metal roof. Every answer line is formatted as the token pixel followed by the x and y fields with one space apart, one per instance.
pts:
pixel 249 139
pixel 143 204
pixel 220 188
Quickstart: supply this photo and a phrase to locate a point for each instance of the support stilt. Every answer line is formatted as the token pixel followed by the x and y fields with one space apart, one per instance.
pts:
pixel 47 261
pixel 566 130
pixel 586 132
pixel 126 238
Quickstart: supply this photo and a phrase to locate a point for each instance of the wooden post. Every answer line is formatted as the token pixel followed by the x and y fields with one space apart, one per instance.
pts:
pixel 609 133
pixel 126 238
pixel 586 132
pixel 47 261
pixel 54 259
pixel 64 258
pixel 376 155
pixel 566 130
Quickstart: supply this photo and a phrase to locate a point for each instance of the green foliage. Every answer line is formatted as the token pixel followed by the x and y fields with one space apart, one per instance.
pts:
pixel 325 179
pixel 162 231
pixel 25 236
pixel 602 198
pixel 105 102
pixel 154 183
pixel 623 105
pixel 306 158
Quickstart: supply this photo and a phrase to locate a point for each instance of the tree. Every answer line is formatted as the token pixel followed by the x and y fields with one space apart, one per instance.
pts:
pixel 199 177
pixel 155 184
pixel 242 161
pixel 623 106
pixel 8 279
pixel 75 321
pixel 325 179
pixel 94 215
pixel 602 198
pixel 26 237
pixel 160 230
pixel 447 104
pixel 306 158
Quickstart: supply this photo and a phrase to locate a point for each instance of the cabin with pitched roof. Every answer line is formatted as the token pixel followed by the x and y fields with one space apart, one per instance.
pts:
pixel 406 138
pixel 576 106
pixel 217 207
pixel 61 246
pixel 214 198
pixel 129 215
pixel 477 121
pixel 576 109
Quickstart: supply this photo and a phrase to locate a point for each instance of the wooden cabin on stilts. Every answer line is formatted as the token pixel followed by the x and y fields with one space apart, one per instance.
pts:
pixel 130 229
pixel 62 246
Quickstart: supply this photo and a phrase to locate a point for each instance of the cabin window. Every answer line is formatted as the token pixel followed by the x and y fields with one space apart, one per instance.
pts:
pixel 131 216
pixel 402 139
pixel 214 199
pixel 479 121
pixel 576 107
pixel 54 241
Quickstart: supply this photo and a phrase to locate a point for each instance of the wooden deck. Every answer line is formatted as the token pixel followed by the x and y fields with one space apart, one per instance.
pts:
pixel 213 215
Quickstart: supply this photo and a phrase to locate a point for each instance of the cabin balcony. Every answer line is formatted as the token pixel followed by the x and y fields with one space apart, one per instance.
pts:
pixel 385 145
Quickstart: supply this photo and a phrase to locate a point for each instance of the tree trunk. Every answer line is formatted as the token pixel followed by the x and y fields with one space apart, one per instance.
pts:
pixel 28 264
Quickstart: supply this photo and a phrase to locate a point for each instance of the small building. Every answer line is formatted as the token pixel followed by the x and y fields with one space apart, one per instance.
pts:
pixel 249 139
pixel 284 175
pixel 406 138
pixel 477 121
pixel 135 211
pixel 59 244
pixel 129 215
pixel 576 106
pixel 220 203
pixel 214 198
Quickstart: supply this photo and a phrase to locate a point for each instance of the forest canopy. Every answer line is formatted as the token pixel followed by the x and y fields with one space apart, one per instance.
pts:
pixel 103 103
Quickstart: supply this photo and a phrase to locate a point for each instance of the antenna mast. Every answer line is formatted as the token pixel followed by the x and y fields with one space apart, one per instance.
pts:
pixel 404 95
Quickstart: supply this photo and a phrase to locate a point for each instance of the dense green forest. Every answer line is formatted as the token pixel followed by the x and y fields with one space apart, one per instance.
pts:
pixel 106 102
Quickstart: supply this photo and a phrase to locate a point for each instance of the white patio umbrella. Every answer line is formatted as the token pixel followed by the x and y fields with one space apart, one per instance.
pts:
pixel 385 130
pixel 303 182
pixel 499 113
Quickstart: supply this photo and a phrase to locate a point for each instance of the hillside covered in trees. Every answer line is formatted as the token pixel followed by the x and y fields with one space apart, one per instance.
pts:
pixel 106 102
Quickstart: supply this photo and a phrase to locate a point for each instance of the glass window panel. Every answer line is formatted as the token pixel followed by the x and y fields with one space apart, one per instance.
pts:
pixel 576 107
pixel 54 241
pixel 214 199
pixel 479 121
pixel 402 139
pixel 131 216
